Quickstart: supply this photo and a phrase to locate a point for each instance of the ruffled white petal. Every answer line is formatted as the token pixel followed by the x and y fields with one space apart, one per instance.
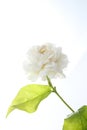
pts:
pixel 45 60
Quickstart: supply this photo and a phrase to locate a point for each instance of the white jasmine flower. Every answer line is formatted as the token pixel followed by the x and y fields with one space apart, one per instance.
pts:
pixel 45 60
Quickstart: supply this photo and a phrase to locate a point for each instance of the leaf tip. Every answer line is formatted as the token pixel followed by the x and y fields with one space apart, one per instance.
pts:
pixel 10 109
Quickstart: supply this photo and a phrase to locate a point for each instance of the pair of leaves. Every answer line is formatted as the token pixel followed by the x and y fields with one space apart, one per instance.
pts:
pixel 77 121
pixel 29 97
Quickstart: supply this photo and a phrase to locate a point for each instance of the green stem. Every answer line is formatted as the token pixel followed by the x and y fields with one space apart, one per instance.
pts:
pixel 55 91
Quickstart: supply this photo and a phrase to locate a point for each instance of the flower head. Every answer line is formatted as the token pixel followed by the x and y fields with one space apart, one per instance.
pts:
pixel 45 60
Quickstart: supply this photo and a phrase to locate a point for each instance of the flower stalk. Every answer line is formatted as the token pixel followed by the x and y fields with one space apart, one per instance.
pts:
pixel 55 91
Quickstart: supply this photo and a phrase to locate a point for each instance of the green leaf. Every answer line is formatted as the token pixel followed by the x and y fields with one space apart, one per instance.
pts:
pixel 77 121
pixel 29 97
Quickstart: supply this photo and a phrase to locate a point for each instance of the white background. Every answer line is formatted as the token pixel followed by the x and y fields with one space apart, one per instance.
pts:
pixel 24 23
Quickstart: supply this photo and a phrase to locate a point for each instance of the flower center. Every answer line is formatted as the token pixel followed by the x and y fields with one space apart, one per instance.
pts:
pixel 42 49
